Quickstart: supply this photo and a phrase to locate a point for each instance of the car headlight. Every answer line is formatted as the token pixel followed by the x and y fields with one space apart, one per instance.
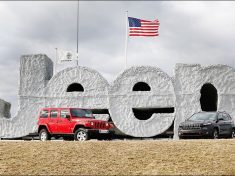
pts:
pixel 107 124
pixel 92 123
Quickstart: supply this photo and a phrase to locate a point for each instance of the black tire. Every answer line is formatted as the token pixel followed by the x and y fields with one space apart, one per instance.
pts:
pixel 233 133
pixel 44 135
pixel 215 134
pixel 81 135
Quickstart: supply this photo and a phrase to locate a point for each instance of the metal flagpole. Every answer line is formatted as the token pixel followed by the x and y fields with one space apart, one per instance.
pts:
pixel 126 39
pixel 77 28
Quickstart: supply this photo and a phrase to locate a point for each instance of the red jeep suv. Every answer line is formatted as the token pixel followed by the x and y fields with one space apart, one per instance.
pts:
pixel 70 123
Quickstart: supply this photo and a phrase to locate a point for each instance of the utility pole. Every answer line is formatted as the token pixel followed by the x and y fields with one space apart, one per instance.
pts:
pixel 77 28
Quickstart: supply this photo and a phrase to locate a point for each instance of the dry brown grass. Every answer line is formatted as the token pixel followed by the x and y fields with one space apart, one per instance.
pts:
pixel 187 157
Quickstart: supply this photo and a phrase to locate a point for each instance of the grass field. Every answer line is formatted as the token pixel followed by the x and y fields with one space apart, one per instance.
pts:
pixel 137 157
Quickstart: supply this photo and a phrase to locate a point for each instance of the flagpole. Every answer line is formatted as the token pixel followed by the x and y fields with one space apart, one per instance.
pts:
pixel 77 29
pixel 126 42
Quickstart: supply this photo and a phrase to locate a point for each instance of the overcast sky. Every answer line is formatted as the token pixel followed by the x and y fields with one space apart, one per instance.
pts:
pixel 190 32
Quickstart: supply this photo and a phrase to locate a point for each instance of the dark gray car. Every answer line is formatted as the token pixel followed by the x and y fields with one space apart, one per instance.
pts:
pixel 208 124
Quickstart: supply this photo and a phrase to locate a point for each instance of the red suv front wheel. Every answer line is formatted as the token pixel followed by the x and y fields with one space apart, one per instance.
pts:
pixel 81 135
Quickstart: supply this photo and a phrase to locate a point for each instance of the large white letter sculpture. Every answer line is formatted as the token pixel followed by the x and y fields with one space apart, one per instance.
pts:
pixel 146 92
pixel 199 88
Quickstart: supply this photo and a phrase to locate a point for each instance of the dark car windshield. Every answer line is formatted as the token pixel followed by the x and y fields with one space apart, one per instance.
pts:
pixel 81 113
pixel 203 116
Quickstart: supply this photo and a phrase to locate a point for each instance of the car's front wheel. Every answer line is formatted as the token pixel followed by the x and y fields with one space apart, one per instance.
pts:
pixel 233 133
pixel 81 135
pixel 44 135
pixel 215 134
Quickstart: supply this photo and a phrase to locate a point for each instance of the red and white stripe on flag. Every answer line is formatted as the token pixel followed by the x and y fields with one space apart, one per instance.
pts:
pixel 143 28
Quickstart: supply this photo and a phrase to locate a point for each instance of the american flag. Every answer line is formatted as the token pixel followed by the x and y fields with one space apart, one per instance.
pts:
pixel 140 27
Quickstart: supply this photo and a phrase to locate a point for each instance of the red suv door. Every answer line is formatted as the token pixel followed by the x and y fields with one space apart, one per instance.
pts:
pixel 64 124
pixel 53 120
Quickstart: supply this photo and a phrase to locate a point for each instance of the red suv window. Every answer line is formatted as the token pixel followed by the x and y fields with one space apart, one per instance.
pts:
pixel 64 113
pixel 44 114
pixel 53 113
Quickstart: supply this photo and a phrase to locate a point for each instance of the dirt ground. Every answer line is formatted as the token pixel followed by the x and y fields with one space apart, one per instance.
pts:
pixel 135 157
